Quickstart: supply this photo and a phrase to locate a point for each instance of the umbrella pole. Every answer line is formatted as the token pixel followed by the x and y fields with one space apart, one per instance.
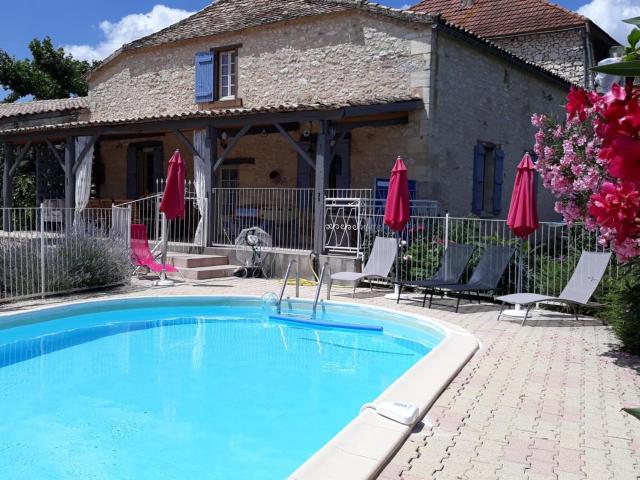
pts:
pixel 164 281
pixel 396 289
pixel 521 266
pixel 517 311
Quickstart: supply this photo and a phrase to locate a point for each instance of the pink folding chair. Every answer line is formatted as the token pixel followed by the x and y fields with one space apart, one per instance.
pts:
pixel 141 253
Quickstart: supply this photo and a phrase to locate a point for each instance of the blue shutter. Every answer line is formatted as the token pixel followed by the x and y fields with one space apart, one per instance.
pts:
pixel 479 156
pixel 205 77
pixel 498 180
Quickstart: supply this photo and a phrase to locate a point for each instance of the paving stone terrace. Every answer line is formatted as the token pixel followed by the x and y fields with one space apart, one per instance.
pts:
pixel 536 402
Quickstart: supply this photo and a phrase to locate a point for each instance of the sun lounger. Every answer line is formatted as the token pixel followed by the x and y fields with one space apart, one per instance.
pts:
pixel 454 262
pixel 578 291
pixel 486 276
pixel 382 257
pixel 141 253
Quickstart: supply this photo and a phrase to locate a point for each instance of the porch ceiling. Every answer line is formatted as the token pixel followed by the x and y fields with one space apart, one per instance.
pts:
pixel 227 118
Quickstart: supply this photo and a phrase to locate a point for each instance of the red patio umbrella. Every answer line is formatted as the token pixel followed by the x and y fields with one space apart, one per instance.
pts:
pixel 523 211
pixel 397 212
pixel 173 198
pixel 172 206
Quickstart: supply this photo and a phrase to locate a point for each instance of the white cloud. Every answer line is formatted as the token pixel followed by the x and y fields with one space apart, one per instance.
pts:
pixel 608 15
pixel 127 29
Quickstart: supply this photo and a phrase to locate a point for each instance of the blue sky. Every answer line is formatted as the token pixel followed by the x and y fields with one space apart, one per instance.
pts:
pixel 92 29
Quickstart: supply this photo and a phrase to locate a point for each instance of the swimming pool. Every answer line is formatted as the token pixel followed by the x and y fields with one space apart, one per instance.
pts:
pixel 190 387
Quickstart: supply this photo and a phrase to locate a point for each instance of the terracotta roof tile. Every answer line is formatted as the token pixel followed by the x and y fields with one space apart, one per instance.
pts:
pixel 42 106
pixel 494 18
pixel 230 112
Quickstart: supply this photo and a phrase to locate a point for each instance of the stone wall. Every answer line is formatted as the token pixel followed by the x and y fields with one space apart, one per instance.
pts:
pixel 372 150
pixel 480 96
pixel 332 58
pixel 561 52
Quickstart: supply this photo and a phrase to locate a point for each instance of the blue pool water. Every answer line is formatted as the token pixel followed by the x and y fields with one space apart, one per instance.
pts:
pixel 186 388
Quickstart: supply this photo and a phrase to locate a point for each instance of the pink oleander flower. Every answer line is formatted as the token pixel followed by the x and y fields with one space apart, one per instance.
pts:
pixel 538 120
pixel 616 207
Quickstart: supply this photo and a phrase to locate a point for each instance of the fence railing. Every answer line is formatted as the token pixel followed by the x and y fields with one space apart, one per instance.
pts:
pixel 183 233
pixel 286 214
pixel 345 217
pixel 549 255
pixel 46 251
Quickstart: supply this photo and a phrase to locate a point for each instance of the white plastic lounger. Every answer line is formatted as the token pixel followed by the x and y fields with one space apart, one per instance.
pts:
pixel 582 284
pixel 382 257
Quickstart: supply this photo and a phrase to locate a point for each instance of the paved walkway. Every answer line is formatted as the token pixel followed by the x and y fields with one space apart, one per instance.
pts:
pixel 536 402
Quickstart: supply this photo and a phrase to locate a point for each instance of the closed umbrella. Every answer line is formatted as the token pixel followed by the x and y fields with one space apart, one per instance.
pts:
pixel 397 212
pixel 172 206
pixel 523 212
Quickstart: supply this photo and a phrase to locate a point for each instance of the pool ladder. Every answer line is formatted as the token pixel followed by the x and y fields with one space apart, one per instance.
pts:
pixel 325 268
pixel 286 281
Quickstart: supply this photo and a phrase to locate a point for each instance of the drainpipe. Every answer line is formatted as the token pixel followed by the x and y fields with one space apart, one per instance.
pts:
pixel 589 60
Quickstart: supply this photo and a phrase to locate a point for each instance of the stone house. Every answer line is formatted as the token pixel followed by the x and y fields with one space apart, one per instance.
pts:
pixel 299 94
pixel 542 32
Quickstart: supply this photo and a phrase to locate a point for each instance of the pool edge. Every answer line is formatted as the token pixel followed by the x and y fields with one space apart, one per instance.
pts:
pixel 365 446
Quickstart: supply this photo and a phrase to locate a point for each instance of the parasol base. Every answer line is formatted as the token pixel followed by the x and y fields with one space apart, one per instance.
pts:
pixel 517 312
pixel 404 296
pixel 164 281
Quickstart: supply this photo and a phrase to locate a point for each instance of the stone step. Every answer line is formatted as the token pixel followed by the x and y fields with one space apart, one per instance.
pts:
pixel 185 260
pixel 207 273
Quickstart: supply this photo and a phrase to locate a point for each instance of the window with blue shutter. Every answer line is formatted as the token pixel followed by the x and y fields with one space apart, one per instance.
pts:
pixel 479 157
pixel 205 77
pixel 498 180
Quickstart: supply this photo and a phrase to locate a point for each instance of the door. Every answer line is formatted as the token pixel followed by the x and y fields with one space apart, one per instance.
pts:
pixel 145 166
pixel 340 168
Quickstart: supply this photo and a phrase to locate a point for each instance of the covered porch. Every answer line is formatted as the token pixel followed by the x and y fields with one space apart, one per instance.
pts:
pixel 300 151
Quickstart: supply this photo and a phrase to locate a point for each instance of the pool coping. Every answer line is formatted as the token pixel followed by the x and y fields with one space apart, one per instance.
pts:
pixel 363 447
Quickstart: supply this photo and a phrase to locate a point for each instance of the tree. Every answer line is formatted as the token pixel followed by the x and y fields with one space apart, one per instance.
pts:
pixel 51 73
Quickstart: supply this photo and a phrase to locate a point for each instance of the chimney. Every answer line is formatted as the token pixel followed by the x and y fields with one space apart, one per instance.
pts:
pixel 466 3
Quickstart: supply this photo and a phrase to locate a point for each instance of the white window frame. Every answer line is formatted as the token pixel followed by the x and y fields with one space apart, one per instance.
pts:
pixel 231 59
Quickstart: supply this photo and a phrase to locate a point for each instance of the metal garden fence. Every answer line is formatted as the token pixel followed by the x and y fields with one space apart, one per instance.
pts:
pixel 50 251
pixel 183 233
pixel 287 214
pixel 549 255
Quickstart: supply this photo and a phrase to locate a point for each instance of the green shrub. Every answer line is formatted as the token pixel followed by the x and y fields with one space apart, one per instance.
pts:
pixel 75 262
pixel 89 262
pixel 622 307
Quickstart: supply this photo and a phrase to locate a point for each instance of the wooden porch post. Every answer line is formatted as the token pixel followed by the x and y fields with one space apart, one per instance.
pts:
pixel 322 155
pixel 7 184
pixel 69 179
